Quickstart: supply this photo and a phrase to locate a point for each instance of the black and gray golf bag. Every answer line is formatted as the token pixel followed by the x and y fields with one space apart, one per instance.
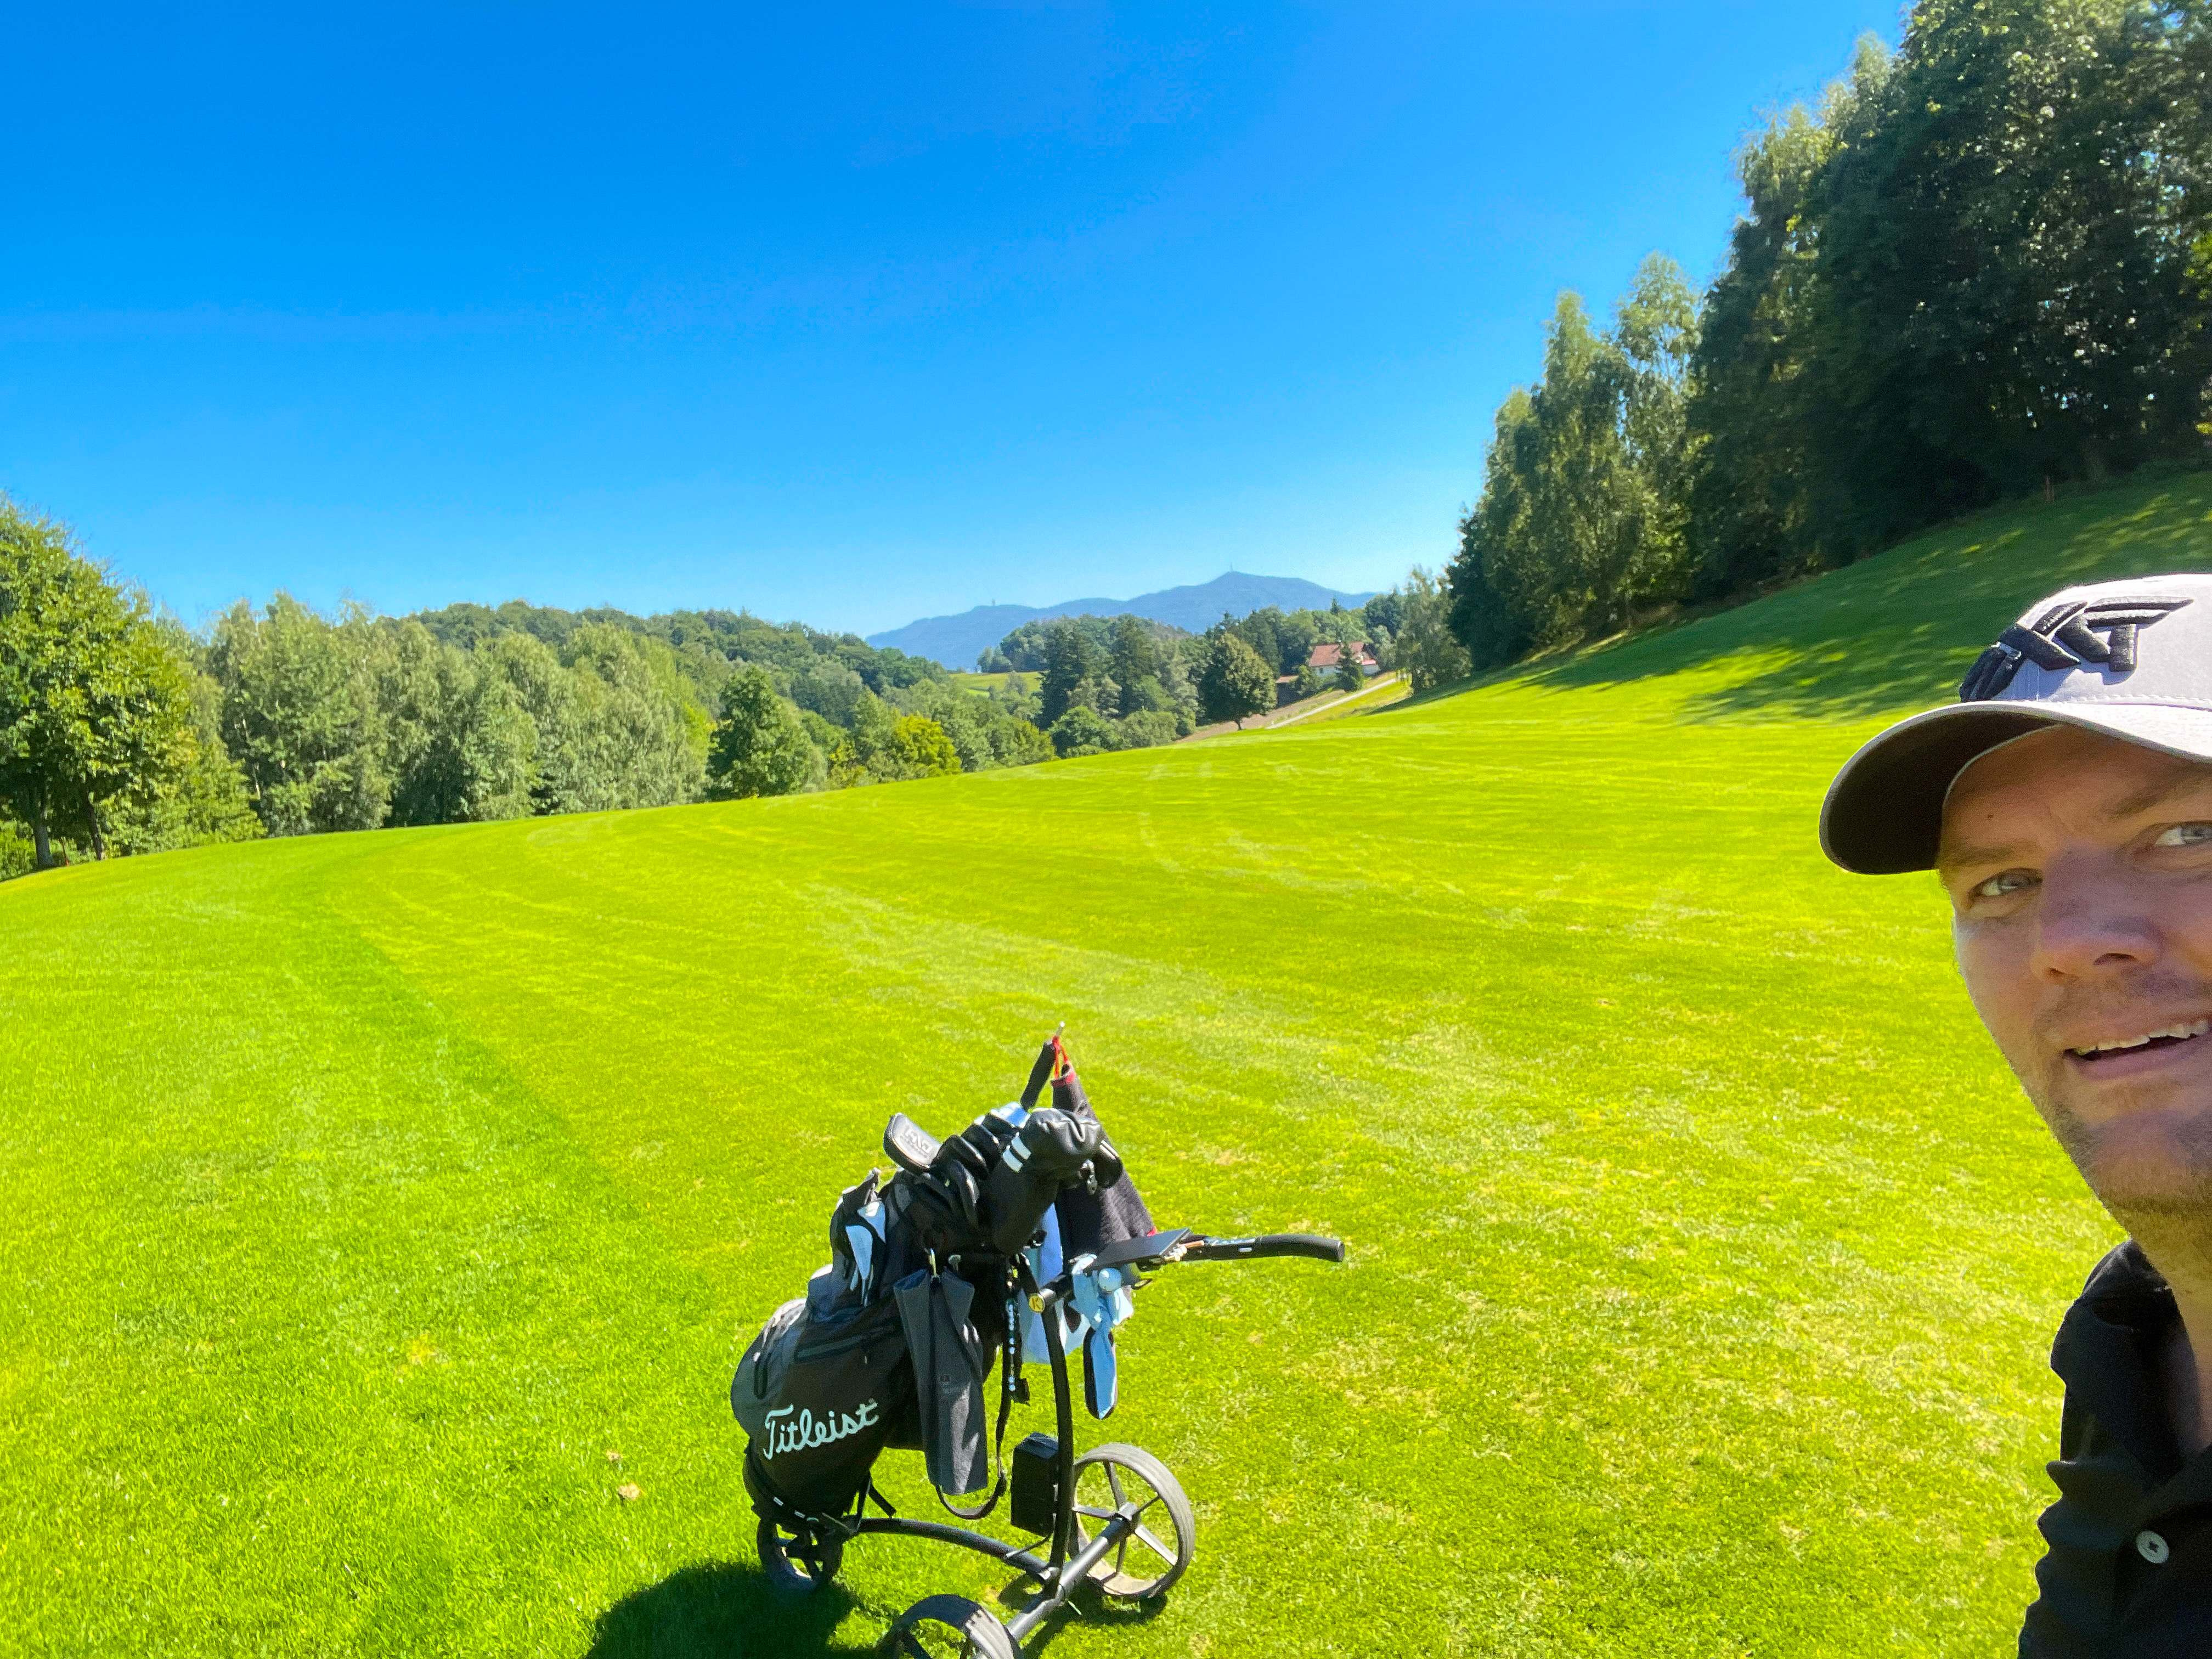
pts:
pixel 895 1339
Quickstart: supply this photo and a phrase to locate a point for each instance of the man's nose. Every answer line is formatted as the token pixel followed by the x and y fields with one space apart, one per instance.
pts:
pixel 2094 921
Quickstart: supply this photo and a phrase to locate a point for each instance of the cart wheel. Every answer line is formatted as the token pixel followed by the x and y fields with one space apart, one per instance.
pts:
pixel 947 1627
pixel 796 1559
pixel 1118 1479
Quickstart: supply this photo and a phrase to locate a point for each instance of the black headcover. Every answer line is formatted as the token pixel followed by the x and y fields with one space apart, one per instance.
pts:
pixel 989 1186
pixel 1096 1214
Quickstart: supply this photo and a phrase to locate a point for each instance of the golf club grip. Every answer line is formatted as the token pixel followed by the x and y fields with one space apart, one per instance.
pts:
pixel 1312 1245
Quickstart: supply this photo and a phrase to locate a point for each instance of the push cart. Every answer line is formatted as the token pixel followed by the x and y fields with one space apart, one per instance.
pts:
pixel 1113 1517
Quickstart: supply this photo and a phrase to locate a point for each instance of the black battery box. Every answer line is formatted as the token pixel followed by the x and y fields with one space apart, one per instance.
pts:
pixel 1035 1507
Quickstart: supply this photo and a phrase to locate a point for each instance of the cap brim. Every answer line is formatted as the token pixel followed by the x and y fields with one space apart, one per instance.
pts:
pixel 1884 813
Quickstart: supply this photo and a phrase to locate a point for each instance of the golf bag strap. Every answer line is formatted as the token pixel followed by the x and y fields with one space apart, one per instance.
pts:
pixel 1010 1362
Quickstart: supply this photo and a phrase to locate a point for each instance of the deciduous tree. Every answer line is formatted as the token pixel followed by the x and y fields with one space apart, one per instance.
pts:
pixel 1427 649
pixel 921 748
pixel 299 715
pixel 759 747
pixel 1235 683
pixel 92 701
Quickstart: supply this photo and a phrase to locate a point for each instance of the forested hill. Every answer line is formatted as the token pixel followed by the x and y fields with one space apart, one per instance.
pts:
pixel 703 644
pixel 957 641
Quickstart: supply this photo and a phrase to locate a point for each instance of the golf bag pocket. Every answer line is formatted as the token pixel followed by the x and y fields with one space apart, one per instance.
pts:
pixel 817 1393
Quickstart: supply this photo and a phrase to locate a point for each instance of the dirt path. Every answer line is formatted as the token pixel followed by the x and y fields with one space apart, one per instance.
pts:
pixel 1292 714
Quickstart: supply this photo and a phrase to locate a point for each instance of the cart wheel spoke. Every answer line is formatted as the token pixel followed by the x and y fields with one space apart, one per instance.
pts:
pixel 1145 1534
pixel 1142 1489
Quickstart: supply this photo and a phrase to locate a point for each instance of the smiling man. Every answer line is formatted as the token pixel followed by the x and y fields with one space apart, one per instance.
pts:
pixel 2066 802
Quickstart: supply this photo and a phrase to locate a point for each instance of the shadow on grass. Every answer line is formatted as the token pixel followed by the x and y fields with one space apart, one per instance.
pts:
pixel 1089 1607
pixel 1900 629
pixel 729 1610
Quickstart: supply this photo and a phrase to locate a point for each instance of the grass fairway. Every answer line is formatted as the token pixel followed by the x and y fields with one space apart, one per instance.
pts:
pixel 365 1192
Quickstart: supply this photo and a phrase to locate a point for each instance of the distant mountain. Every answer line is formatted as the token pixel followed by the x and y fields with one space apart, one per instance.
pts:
pixel 957 641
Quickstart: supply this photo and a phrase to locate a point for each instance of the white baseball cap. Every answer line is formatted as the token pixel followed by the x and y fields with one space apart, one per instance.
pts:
pixel 2131 659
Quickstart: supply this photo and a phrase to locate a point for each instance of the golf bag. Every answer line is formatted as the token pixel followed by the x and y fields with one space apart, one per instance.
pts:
pixel 894 1341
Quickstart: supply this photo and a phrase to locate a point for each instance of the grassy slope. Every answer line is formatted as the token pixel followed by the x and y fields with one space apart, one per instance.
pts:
pixel 366 1191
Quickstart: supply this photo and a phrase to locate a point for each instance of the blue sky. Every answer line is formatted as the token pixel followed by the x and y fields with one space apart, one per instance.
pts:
pixel 852 314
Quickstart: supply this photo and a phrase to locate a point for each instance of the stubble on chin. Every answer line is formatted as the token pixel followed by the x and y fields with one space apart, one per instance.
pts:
pixel 2151 1168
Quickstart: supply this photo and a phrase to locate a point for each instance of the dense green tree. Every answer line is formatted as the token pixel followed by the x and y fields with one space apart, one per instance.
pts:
pixel 1148 728
pixel 17 856
pixel 1306 682
pixel 1071 659
pixel 921 748
pixel 541 686
pixel 458 744
pixel 1582 510
pixel 2006 229
pixel 1236 683
pixel 1082 730
pixel 299 715
pixel 1296 633
pixel 1263 630
pixel 1749 520
pixel 1348 677
pixel 830 689
pixel 1179 686
pixel 1016 696
pixel 635 746
pixel 759 747
pixel 1382 612
pixel 1135 657
pixel 92 699
pixel 1976 270
pixel 1428 651
pixel 201 796
pixel 1018 743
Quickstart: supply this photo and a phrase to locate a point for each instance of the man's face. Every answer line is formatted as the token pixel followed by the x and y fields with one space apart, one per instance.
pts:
pixel 2080 871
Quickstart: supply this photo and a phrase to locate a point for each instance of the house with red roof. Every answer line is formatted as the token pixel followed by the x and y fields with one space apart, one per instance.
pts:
pixel 1326 657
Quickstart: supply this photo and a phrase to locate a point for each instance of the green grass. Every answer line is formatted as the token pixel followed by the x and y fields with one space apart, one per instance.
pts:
pixel 365 1192
pixel 978 684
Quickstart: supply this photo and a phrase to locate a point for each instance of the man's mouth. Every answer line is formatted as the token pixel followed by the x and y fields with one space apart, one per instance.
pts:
pixel 2167 1037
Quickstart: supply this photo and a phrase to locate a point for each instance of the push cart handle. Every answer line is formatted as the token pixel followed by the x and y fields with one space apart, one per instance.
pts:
pixel 1312 1245
pixel 1155 1251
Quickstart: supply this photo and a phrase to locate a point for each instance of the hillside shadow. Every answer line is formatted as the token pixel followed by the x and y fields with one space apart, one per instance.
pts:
pixel 1900 629
pixel 727 1610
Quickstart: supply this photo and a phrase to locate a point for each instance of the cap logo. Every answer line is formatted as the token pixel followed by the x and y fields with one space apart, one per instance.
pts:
pixel 2067 635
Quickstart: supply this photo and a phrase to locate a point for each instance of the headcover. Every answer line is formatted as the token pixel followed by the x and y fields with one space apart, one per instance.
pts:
pixel 2129 658
pixel 989 1186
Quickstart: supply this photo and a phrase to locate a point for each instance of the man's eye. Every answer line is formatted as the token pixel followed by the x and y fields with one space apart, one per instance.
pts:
pixel 2003 883
pixel 2185 835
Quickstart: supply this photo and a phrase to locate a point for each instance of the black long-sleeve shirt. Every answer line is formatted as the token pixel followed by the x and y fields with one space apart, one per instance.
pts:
pixel 2129 1567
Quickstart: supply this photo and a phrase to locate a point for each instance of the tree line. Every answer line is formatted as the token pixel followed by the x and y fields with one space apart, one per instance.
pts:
pixel 1127 681
pixel 122 731
pixel 1980 269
